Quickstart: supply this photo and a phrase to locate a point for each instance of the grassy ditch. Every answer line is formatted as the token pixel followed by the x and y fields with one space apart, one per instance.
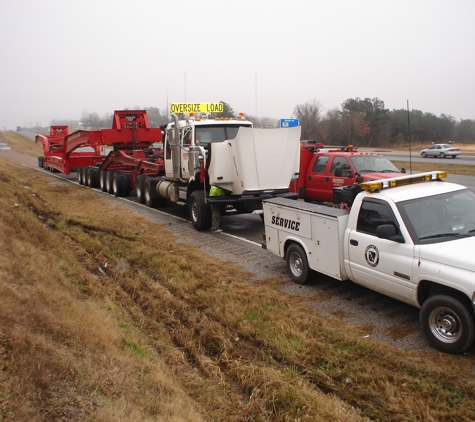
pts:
pixel 21 144
pixel 104 316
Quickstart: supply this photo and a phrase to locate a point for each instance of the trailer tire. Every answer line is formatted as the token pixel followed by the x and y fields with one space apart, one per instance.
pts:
pixel 127 185
pixel 85 178
pixel 118 185
pixel 200 213
pixel 151 200
pixel 296 260
pixel 140 188
pixel 92 177
pixel 80 175
pixel 109 181
pixel 448 323
pixel 102 181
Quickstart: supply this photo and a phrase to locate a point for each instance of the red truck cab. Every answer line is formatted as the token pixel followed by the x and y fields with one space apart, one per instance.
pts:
pixel 322 170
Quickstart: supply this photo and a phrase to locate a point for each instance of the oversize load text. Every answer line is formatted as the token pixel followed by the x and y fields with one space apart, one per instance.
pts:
pixel 196 107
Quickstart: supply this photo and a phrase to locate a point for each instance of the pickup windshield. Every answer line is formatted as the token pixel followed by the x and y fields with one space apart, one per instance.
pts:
pixel 373 164
pixel 440 218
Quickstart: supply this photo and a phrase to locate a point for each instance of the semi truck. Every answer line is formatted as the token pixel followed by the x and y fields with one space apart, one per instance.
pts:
pixel 323 169
pixel 409 237
pixel 248 164
pixel 181 161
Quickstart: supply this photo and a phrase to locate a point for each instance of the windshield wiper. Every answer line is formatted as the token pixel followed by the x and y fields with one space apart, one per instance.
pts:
pixel 435 236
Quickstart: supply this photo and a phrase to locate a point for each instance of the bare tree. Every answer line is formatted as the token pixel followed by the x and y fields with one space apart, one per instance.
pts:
pixel 309 117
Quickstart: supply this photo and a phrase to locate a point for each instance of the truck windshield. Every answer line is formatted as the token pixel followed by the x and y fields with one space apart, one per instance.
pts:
pixel 440 218
pixel 373 164
pixel 214 133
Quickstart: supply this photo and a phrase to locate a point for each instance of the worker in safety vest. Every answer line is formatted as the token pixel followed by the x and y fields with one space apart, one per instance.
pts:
pixel 216 208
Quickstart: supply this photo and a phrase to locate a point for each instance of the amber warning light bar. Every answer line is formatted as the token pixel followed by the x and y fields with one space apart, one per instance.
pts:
pixel 403 181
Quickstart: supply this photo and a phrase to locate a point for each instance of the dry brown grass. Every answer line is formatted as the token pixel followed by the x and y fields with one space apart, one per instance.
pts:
pixel 21 144
pixel 445 165
pixel 105 317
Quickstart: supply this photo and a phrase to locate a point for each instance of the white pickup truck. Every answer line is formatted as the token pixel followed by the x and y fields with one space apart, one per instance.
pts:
pixel 411 238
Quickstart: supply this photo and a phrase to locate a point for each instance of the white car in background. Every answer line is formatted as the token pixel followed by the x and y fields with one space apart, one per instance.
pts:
pixel 441 151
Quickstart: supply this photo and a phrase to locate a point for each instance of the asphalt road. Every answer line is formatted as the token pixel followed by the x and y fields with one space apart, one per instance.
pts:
pixel 415 157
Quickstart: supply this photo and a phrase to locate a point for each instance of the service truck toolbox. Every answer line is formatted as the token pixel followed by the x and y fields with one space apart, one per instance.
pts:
pixel 318 228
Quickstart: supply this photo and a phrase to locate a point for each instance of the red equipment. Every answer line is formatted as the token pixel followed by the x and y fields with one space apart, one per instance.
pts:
pixel 130 131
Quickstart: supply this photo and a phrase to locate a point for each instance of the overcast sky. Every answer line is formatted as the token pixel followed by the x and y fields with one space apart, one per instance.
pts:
pixel 61 58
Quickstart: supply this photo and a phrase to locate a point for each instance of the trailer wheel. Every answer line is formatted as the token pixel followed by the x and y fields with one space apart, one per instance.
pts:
pixel 447 323
pixel 200 213
pixel 297 262
pixel 127 185
pixel 109 181
pixel 102 181
pixel 150 199
pixel 140 188
pixel 118 185
pixel 92 177
pixel 80 175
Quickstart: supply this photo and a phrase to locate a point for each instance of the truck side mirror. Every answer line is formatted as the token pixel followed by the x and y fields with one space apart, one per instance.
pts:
pixel 388 231
pixel 339 172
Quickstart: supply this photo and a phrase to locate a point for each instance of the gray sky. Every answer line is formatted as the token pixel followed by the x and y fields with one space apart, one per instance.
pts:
pixel 60 58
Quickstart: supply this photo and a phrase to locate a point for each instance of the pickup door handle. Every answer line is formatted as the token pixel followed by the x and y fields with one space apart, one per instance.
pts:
pixel 353 242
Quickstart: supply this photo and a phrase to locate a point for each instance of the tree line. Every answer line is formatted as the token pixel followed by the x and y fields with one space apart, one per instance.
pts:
pixel 366 122
pixel 361 122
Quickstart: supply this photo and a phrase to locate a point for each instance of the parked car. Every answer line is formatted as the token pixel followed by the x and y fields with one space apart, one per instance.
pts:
pixel 440 150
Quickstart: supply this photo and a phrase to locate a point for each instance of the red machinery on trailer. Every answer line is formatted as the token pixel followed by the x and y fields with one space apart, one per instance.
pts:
pixel 131 138
pixel 60 149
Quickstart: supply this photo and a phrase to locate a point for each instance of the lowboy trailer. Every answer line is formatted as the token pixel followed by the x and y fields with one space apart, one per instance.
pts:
pixel 248 164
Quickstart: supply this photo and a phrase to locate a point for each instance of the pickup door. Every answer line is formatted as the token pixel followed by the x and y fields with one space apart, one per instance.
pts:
pixel 321 179
pixel 387 266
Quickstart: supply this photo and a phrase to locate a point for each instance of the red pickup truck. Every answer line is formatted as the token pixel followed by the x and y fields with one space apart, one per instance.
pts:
pixel 322 170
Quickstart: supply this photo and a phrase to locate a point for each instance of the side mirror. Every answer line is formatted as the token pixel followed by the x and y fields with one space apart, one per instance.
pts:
pixel 403 170
pixel 388 231
pixel 339 172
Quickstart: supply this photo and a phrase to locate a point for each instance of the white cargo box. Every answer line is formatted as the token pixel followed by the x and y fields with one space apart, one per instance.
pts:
pixel 319 229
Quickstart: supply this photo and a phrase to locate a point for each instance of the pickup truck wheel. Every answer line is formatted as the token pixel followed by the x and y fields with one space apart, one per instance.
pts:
pixel 447 323
pixel 200 213
pixel 296 260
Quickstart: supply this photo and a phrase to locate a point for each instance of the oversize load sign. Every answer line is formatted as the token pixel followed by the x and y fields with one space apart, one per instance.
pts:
pixel 196 108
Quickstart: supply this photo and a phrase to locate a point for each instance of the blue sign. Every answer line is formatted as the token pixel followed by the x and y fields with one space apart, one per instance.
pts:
pixel 289 122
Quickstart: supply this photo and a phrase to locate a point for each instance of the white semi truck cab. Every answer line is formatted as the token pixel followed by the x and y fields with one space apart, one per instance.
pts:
pixel 247 163
pixel 410 237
